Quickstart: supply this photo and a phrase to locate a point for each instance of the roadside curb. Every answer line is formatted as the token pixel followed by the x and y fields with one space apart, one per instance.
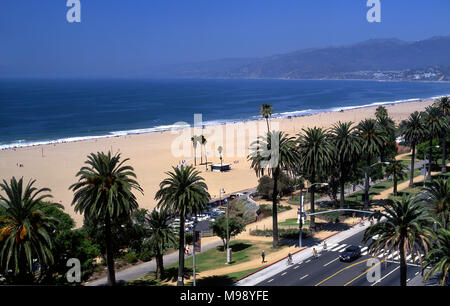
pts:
pixel 302 249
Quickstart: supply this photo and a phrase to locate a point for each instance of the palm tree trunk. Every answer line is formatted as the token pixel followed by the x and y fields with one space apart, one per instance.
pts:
pixel 268 128
pixel 444 154
pixel 274 208
pixel 195 156
pixel 180 281
pixel 342 200
pixel 413 157
pixel 403 267
pixel 430 154
pixel 312 208
pixel 395 184
pixel 109 253
pixel 159 265
pixel 366 187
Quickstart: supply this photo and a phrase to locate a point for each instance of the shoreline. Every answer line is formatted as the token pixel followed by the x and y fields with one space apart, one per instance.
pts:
pixel 151 154
pixel 165 128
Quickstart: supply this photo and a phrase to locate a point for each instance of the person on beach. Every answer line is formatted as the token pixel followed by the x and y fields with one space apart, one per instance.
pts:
pixel 263 255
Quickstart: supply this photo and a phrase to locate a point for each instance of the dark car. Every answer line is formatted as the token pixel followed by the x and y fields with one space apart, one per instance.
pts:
pixel 350 253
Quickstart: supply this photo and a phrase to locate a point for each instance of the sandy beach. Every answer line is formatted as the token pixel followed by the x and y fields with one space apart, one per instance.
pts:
pixel 152 154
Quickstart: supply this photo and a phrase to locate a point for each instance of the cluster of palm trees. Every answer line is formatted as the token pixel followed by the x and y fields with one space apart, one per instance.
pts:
pixel 104 195
pixel 345 151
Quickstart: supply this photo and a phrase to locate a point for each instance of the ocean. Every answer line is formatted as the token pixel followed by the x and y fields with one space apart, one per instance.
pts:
pixel 45 111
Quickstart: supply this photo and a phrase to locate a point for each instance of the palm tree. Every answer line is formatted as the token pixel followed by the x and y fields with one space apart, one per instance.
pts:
pixel 436 125
pixel 160 234
pixel 183 193
pixel 438 196
pixel 387 125
pixel 103 194
pixel 266 111
pixel 444 104
pixel 203 144
pixel 346 150
pixel 276 152
pixel 315 156
pixel 396 169
pixel 406 227
pixel 195 140
pixel 371 139
pixel 25 231
pixel 438 258
pixel 413 130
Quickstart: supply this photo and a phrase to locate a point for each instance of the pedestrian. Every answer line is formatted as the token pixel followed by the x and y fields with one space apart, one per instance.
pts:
pixel 315 252
pixel 289 259
pixel 324 246
pixel 263 255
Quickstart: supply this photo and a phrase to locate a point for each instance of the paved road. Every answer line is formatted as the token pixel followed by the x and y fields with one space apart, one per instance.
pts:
pixel 328 270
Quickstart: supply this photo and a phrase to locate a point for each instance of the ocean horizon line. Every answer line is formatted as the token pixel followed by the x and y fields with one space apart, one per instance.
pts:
pixel 23 143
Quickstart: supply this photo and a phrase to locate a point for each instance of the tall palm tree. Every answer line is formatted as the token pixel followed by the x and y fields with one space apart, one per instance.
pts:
pixel 405 227
pixel 436 125
pixel 25 231
pixel 438 258
pixel 413 130
pixel 315 156
pixel 220 150
pixel 104 194
pixel 438 196
pixel 184 193
pixel 195 140
pixel 346 150
pixel 396 169
pixel 444 104
pixel 387 125
pixel 160 234
pixel 203 144
pixel 266 111
pixel 371 139
pixel 274 153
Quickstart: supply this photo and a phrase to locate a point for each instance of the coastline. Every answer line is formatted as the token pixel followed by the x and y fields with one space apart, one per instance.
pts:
pixel 54 165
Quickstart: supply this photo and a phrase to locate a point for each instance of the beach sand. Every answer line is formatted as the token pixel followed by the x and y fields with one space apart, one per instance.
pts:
pixel 152 154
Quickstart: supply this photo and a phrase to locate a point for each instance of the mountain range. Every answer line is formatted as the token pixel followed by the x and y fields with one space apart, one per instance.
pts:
pixel 382 59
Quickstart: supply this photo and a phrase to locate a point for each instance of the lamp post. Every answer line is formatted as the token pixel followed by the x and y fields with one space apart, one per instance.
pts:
pixel 366 183
pixel 222 191
pixel 301 213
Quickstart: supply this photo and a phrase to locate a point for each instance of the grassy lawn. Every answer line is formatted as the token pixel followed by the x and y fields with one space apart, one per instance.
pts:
pixel 242 251
pixel 292 222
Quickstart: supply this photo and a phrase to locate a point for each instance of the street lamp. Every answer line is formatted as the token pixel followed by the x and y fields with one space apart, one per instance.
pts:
pixel 301 213
pixel 193 229
pixel 366 181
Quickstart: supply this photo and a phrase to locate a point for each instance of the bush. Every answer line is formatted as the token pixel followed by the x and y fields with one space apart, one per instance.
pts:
pixel 131 258
pixel 265 186
pixel 266 210
pixel 283 233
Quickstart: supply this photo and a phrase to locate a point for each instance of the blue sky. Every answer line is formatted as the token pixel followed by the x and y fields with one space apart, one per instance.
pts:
pixel 126 37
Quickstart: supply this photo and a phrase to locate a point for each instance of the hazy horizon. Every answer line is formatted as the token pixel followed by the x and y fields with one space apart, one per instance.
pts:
pixel 120 39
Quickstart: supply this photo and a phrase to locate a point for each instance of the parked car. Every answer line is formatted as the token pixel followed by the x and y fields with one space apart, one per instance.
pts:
pixel 351 253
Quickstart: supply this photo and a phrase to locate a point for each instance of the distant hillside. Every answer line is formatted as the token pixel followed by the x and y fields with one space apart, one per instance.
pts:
pixel 385 59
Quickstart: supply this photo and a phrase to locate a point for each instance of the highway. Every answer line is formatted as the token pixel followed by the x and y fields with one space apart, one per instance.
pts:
pixel 328 270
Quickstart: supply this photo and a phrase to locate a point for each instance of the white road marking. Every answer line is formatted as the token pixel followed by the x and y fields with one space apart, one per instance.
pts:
pixel 304 276
pixel 330 262
pixel 408 280
pixel 385 276
pixel 364 253
pixel 308 261
pixel 270 280
pixel 295 267
pixel 333 246
pixel 363 249
pixel 339 247
pixel 283 273
pixel 417 272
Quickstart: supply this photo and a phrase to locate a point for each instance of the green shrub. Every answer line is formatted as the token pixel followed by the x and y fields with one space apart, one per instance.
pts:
pixel 131 258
